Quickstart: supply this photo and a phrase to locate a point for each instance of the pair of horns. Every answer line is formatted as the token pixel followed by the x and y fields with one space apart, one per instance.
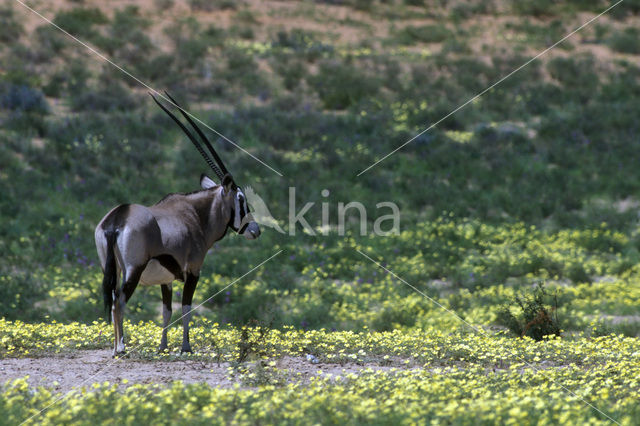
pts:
pixel 220 170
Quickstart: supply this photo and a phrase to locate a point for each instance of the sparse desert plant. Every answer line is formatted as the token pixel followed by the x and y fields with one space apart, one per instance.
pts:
pixel 22 98
pixel 291 70
pixel 212 5
pixel 536 8
pixel 467 9
pixel 579 73
pixel 537 314
pixel 340 85
pixel 242 31
pixel 10 28
pixel 79 21
pixel 18 294
pixel 109 95
pixel 242 70
pixel 302 42
pixel 164 5
pixel 625 41
pixel 625 9
pixel 49 43
pixel 435 33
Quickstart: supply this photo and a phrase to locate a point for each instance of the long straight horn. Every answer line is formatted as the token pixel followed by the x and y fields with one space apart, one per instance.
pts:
pixel 193 140
pixel 201 134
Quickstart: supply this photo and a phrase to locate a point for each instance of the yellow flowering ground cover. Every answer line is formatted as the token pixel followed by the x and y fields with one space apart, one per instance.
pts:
pixel 464 377
pixel 443 396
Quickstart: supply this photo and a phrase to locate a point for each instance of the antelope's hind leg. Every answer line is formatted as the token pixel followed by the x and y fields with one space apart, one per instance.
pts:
pixel 166 314
pixel 130 282
pixel 116 318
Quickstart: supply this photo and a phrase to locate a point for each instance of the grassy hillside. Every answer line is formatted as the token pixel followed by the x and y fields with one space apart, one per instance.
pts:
pixel 525 198
pixel 320 91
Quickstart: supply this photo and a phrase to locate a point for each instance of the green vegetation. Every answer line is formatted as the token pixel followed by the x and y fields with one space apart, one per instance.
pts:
pixel 535 182
pixel 536 318
pixel 80 21
pixel 627 41
pixel 453 394
pixel 424 34
pixel 10 27
pixel 452 377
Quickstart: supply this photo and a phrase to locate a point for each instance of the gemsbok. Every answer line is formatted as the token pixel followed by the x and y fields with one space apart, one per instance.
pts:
pixel 168 241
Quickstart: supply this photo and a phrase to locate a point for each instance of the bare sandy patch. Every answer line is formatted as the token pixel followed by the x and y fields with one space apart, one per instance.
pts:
pixel 83 368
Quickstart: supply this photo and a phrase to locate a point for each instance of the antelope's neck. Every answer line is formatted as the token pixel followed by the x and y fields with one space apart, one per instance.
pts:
pixel 214 216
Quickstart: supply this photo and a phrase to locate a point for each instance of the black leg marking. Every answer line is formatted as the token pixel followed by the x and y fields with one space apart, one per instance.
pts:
pixel 189 289
pixel 166 295
pixel 187 298
pixel 131 283
pixel 171 264
pixel 166 314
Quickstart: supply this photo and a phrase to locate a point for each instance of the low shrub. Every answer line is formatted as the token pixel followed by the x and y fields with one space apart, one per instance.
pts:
pixel 107 97
pixel 22 98
pixel 626 41
pixel 625 9
pixel 292 71
pixel 303 42
pixel 340 85
pixel 212 5
pixel 10 28
pixel 577 73
pixel 164 5
pixel 466 10
pixel 49 43
pixel 436 33
pixel 79 21
pixel 536 8
pixel 244 32
pixel 536 318
pixel 18 293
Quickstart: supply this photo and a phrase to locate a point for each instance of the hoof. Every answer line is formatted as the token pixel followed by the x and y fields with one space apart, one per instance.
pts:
pixel 186 350
pixel 163 348
pixel 119 354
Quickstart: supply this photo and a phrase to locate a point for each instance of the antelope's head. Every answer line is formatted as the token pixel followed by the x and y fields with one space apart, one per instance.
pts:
pixel 241 220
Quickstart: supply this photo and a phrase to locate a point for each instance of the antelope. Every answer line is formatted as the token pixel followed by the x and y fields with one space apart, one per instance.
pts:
pixel 168 241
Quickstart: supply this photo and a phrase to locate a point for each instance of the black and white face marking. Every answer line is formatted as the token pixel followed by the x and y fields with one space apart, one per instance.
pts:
pixel 243 222
pixel 241 209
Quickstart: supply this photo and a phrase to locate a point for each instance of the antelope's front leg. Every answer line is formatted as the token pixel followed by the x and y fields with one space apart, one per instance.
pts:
pixel 187 297
pixel 166 314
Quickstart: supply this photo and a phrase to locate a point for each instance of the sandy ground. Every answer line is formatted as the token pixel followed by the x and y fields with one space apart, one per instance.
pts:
pixel 82 369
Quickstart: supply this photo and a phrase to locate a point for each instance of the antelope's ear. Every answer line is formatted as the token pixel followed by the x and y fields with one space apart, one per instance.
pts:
pixel 227 183
pixel 206 182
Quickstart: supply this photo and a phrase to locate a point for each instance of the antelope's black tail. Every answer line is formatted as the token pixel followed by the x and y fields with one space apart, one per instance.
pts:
pixel 110 273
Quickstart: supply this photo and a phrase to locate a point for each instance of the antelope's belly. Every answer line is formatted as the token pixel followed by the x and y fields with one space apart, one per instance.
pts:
pixel 155 274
